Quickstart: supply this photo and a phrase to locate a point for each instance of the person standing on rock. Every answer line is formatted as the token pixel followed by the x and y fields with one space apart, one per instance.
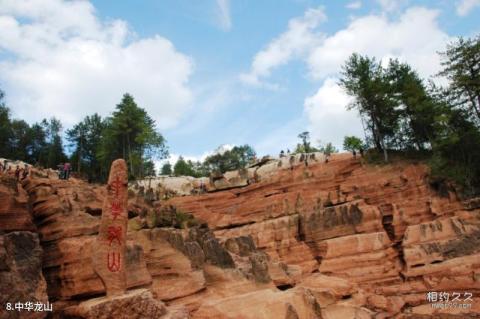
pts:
pixel 66 170
pixel 354 154
pixel 17 173
pixel 327 156
pixel 25 172
pixel 60 170
pixel 4 168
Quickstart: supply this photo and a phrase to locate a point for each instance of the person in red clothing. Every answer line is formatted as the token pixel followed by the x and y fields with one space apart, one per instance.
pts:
pixel 66 170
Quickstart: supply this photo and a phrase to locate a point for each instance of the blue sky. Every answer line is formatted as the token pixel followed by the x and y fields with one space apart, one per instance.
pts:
pixel 214 72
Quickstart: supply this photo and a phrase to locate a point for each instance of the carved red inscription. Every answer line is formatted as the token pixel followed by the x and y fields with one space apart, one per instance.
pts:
pixel 113 261
pixel 116 208
pixel 116 186
pixel 114 234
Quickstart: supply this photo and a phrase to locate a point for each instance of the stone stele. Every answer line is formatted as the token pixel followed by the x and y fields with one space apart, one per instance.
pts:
pixel 110 246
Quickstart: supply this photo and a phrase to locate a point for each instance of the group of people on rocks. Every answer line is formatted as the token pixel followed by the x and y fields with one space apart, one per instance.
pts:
pixel 282 153
pixel 327 154
pixel 6 168
pixel 360 150
pixel 64 170
pixel 19 173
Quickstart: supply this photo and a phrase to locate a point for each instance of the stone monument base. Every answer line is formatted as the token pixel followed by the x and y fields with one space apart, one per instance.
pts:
pixel 137 303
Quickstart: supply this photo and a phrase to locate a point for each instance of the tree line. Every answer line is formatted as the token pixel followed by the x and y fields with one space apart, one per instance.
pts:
pixel 220 162
pixel 402 112
pixel 93 143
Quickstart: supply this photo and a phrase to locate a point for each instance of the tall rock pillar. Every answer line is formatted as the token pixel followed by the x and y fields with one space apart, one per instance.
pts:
pixel 110 247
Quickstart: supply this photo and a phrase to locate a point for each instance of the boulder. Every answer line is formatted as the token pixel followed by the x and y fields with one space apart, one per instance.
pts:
pixel 133 304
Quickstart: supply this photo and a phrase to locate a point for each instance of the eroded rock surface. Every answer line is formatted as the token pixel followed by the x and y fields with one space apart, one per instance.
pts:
pixel 383 228
pixel 21 278
pixel 134 304
pixel 285 238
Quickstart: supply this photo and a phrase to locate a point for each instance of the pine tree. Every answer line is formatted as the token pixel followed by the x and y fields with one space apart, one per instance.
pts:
pixel 461 62
pixel 364 79
pixel 166 169
pixel 131 134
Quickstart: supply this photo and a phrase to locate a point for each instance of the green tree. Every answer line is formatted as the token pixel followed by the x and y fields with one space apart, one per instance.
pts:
pixel 85 137
pixel 183 168
pixel 149 169
pixel 365 80
pixel 5 127
pixel 166 169
pixel 328 149
pixel 38 146
pixel 456 151
pixel 78 138
pixel 305 138
pixel 352 143
pixel 461 62
pixel 131 134
pixel 19 140
pixel 54 146
pixel 416 107
pixel 201 169
pixel 236 158
pixel 304 146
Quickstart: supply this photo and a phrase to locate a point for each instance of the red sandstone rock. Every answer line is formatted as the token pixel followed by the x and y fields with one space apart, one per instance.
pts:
pixel 21 278
pixel 296 303
pixel 14 214
pixel 343 240
pixel 134 304
pixel 371 225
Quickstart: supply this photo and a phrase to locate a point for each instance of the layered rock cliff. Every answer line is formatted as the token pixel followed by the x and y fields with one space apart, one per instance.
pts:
pixel 384 229
pixel 290 238
pixel 21 277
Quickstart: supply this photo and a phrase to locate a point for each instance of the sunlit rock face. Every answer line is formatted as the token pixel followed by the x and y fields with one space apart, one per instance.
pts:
pixel 287 238
pixel 384 228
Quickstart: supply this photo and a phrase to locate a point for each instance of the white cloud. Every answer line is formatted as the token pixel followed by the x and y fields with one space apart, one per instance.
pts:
pixel 223 13
pixel 415 38
pixel 392 5
pixel 67 63
pixel 465 6
pixel 328 119
pixel 282 137
pixel 300 36
pixel 354 5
